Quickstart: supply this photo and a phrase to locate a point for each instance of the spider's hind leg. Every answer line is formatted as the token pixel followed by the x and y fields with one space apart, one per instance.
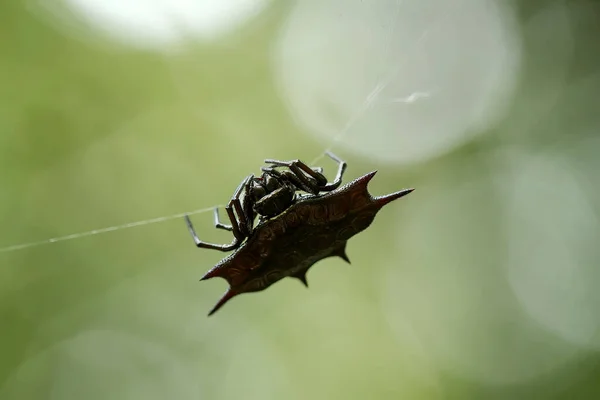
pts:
pixel 311 180
pixel 219 224
pixel 240 229
pixel 304 173
pixel 247 206
pixel 240 224
pixel 298 167
pixel 292 177
pixel 340 172
pixel 202 244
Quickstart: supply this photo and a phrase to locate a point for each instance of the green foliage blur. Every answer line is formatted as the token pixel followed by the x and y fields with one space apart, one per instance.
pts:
pixel 94 133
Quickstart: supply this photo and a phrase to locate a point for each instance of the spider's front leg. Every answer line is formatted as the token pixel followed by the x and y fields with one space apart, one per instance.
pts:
pixel 340 172
pixel 246 207
pixel 290 176
pixel 310 183
pixel 202 244
pixel 238 228
pixel 219 224
pixel 318 182
pixel 238 224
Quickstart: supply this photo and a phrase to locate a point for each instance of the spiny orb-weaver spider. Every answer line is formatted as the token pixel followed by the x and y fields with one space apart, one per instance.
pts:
pixel 294 231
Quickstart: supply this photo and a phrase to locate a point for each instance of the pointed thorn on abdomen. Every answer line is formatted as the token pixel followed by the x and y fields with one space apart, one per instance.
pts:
pixel 301 276
pixel 226 297
pixel 383 200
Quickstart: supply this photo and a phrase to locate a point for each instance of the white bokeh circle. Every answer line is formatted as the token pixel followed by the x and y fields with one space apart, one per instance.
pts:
pixel 450 287
pixel 554 228
pixel 443 72
pixel 156 24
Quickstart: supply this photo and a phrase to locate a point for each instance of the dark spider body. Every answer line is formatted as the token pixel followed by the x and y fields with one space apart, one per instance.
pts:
pixel 293 232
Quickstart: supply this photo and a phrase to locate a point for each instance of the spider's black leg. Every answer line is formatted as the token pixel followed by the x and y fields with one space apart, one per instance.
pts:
pixel 247 206
pixel 219 224
pixel 308 187
pixel 339 175
pixel 238 224
pixel 238 228
pixel 297 165
pixel 301 170
pixel 206 245
pixel 317 181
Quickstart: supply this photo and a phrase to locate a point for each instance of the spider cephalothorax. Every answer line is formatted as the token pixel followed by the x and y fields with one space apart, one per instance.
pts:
pixel 269 195
pixel 294 232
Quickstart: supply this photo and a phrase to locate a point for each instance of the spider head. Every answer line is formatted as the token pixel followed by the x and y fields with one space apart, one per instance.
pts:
pixel 271 194
pixel 263 185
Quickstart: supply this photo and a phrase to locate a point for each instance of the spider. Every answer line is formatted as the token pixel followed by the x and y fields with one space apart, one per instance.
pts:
pixel 267 196
pixel 313 228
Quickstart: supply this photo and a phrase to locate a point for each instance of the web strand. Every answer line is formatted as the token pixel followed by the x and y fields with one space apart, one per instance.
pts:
pixel 104 230
pixel 370 99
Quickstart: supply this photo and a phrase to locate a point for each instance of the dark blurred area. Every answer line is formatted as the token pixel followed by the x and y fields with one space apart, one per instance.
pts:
pixel 482 284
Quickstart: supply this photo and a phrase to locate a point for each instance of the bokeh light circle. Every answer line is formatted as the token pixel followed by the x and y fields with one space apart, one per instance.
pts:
pixel 434 73
pixel 450 285
pixel 154 24
pixel 554 228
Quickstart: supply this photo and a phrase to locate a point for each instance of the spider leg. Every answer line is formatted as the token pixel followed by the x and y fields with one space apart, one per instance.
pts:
pixel 317 181
pixel 247 206
pixel 303 172
pixel 339 175
pixel 206 245
pixel 238 228
pixel 317 174
pixel 219 224
pixel 298 165
pixel 239 225
pixel 308 187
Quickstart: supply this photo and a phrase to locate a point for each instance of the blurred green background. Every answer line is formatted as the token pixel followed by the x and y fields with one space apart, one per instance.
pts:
pixel 482 284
